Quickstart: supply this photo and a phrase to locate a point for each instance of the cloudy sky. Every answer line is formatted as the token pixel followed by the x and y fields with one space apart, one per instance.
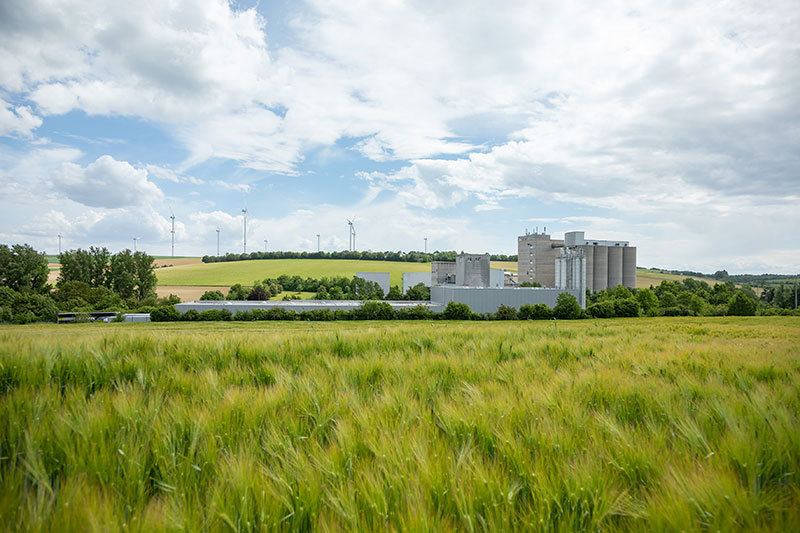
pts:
pixel 675 125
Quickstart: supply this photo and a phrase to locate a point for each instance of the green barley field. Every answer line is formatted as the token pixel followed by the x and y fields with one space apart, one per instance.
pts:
pixel 245 272
pixel 613 425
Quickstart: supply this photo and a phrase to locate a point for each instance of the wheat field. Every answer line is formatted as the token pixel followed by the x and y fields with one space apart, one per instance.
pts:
pixel 616 425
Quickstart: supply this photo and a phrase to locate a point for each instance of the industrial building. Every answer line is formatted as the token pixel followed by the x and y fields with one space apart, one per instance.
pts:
pixel 571 266
pixel 598 264
pixel 412 279
pixel 236 306
pixel 489 299
pixel 383 279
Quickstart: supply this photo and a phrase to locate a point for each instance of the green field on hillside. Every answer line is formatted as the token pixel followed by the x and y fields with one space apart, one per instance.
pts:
pixel 616 425
pixel 645 278
pixel 245 272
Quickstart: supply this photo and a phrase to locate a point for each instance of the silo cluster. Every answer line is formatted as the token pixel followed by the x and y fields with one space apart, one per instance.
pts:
pixel 606 264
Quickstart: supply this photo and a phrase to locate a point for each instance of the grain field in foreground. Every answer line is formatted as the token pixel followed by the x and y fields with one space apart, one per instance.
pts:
pixel 640 425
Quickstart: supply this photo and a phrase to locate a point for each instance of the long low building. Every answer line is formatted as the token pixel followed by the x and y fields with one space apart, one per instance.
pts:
pixel 489 299
pixel 236 306
pixel 479 300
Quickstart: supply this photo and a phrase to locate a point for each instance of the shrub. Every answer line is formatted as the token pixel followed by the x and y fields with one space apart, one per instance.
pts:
pixel 741 305
pixel 166 313
pixel 212 295
pixel 627 307
pixel 190 316
pixel 535 312
pixel 237 292
pixel 418 312
pixel 317 315
pixel 567 307
pixel 168 300
pixel 457 311
pixel 215 315
pixel 672 311
pixel 418 292
pixel 42 307
pixel 372 310
pixel 648 300
pixel 244 316
pixel 505 313
pixel 604 309
pixel 258 293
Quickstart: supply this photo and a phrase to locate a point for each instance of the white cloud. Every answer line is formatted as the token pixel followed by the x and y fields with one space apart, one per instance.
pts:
pixel 17 121
pixel 106 183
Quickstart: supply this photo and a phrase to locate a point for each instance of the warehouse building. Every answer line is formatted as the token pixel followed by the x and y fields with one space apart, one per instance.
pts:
pixel 601 264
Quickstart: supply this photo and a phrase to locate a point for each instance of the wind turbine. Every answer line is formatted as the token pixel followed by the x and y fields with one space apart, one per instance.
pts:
pixel 317 242
pixel 134 243
pixel 245 228
pixel 426 245
pixel 217 242
pixel 172 217
pixel 352 234
pixel 59 244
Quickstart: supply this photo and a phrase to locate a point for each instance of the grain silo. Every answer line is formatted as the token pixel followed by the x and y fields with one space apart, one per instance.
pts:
pixel 629 266
pixel 614 266
pixel 600 278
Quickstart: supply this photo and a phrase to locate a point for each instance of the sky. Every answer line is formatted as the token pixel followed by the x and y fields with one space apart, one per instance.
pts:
pixel 673 125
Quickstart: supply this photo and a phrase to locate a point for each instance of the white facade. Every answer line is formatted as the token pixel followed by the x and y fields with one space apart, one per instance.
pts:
pixel 411 279
pixel 383 279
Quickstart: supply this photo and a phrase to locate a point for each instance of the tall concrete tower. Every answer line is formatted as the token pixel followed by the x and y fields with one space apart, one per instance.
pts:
pixel 536 258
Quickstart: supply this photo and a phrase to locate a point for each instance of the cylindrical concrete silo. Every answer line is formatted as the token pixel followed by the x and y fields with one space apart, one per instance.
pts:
pixel 614 266
pixel 588 252
pixel 600 274
pixel 629 266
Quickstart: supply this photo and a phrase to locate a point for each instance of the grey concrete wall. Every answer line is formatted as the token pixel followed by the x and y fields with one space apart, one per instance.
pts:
pixel 488 299
pixel 411 279
pixel 614 266
pixel 472 270
pixel 536 258
pixel 236 306
pixel 629 266
pixel 600 274
pixel 381 278
pixel 443 273
pixel 497 278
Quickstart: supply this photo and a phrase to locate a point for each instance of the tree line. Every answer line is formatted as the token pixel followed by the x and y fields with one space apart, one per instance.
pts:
pixel 325 288
pixel 89 280
pixel 400 257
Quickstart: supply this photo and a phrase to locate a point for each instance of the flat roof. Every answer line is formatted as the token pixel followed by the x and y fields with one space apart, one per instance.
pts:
pixel 303 303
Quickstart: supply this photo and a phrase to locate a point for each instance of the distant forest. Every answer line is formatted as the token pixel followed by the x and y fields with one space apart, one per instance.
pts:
pixel 756 280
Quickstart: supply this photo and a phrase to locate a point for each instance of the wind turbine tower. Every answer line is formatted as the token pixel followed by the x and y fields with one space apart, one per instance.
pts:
pixel 352 234
pixel 172 217
pixel 59 244
pixel 134 243
pixel 217 242
pixel 245 228
pixel 317 242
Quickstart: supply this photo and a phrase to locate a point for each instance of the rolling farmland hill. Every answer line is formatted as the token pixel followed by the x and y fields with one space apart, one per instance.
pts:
pixel 245 272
